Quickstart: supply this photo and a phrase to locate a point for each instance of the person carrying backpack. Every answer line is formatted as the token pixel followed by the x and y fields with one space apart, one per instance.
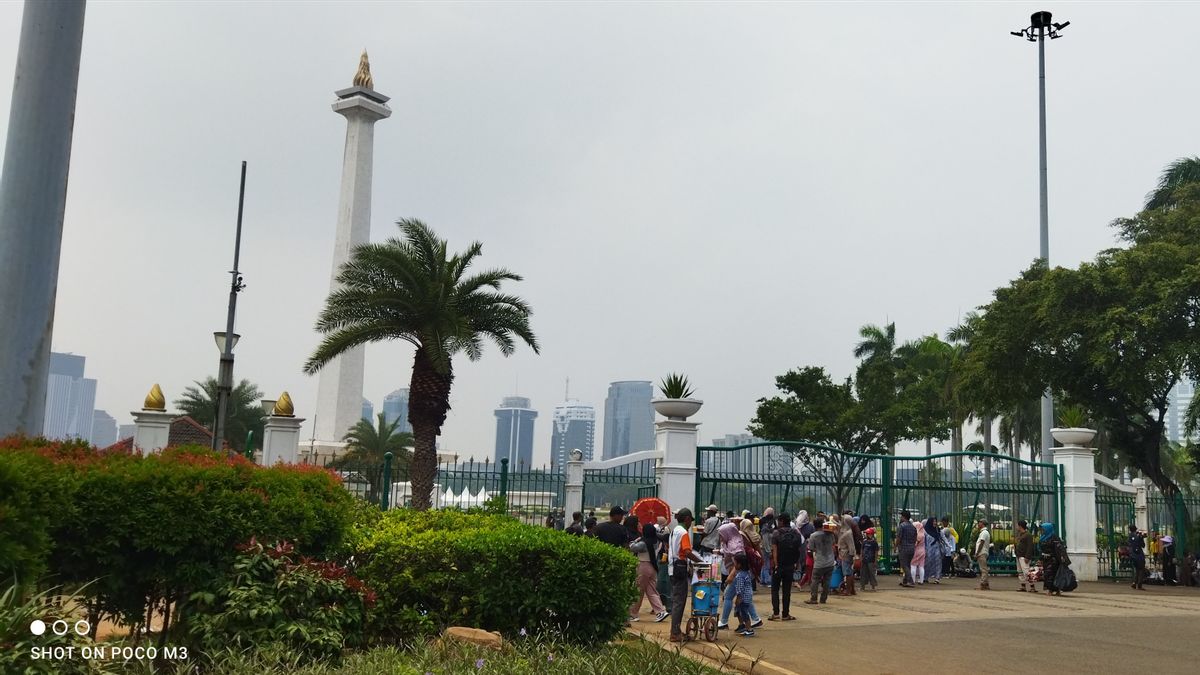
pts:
pixel 787 545
pixel 1137 556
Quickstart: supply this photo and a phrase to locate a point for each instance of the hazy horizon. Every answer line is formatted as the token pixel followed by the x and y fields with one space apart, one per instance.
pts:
pixel 724 190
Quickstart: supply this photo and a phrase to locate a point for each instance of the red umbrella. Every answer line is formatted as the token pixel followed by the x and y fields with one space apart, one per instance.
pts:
pixel 648 509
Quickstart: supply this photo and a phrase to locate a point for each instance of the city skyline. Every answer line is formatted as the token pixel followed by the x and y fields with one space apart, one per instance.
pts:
pixel 589 176
pixel 516 428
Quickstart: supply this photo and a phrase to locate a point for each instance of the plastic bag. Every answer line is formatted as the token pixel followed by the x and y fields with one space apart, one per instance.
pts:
pixel 1064 579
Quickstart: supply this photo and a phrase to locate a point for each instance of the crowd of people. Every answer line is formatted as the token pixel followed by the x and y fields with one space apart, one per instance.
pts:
pixel 823 554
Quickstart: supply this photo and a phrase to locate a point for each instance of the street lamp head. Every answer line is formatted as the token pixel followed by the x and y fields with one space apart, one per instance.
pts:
pixel 219 338
pixel 1040 19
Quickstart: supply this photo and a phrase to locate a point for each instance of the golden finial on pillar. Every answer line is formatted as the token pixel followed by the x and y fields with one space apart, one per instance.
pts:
pixel 284 407
pixel 363 77
pixel 155 399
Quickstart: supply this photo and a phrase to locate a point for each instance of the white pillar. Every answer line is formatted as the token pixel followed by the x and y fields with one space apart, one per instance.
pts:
pixel 281 440
pixel 33 197
pixel 573 500
pixel 1079 507
pixel 1141 510
pixel 339 391
pixel 677 441
pixel 152 430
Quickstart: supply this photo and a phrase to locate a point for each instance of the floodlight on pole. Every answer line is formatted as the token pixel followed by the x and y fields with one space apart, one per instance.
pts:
pixel 1041 27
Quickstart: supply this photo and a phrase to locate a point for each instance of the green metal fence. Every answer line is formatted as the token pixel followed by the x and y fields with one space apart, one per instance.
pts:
pixel 1114 514
pixel 528 495
pixel 966 486
pixel 1170 517
pixel 619 485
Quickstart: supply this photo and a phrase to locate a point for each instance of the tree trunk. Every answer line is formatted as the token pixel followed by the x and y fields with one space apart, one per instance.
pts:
pixel 428 404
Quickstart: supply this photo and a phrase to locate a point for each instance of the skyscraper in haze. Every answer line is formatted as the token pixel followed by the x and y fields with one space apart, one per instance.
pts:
pixel 368 411
pixel 395 407
pixel 1177 405
pixel 104 429
pixel 70 399
pixel 514 433
pixel 574 426
pixel 628 418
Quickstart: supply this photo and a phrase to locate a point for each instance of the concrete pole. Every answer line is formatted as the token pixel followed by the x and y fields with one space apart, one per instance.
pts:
pixel 33 196
pixel 1044 220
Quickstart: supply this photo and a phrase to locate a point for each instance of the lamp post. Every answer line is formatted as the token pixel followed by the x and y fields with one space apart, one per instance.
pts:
pixel 1040 28
pixel 225 374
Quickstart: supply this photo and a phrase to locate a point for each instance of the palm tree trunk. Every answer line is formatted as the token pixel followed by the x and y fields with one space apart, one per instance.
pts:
pixel 987 447
pixel 428 404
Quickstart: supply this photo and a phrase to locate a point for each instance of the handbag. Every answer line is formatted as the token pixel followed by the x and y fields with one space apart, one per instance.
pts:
pixel 1064 579
pixel 638 546
pixel 858 562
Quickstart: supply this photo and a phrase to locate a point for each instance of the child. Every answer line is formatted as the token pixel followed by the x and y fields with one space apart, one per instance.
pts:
pixel 743 594
pixel 870 555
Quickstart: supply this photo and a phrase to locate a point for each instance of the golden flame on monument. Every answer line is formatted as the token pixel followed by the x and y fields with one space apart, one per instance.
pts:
pixel 363 77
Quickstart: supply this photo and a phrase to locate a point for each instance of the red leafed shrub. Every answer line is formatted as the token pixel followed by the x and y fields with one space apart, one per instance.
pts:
pixel 151 530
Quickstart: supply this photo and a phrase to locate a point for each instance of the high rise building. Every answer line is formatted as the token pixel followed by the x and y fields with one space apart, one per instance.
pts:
pixel 763 459
pixel 368 411
pixel 126 431
pixel 104 429
pixel 573 427
pixel 1177 405
pixel 628 418
pixel 514 433
pixel 70 399
pixel 395 407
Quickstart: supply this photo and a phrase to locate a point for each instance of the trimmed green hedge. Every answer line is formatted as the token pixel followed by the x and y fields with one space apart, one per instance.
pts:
pixel 435 569
pixel 151 529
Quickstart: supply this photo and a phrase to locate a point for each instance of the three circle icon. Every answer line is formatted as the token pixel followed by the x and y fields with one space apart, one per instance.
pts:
pixel 60 627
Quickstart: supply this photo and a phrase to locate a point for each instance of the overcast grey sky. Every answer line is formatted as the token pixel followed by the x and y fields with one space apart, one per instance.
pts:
pixel 727 190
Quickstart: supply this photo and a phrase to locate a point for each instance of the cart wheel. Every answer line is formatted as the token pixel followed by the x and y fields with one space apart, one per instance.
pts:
pixel 710 629
pixel 693 629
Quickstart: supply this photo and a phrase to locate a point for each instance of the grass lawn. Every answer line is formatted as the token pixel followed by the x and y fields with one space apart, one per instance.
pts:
pixel 631 655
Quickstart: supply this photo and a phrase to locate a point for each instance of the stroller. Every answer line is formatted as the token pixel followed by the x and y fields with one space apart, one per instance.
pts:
pixel 706 603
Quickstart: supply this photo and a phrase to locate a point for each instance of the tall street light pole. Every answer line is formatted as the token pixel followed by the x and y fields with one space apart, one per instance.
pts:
pixel 1040 28
pixel 228 339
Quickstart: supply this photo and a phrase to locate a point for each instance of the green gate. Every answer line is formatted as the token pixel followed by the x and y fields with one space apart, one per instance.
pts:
pixel 1114 514
pixel 966 486
pixel 620 481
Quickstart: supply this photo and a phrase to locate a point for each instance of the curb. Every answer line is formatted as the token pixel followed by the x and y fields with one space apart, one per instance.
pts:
pixel 714 655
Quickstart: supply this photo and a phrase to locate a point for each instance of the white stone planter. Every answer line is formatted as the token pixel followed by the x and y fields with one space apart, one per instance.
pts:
pixel 676 408
pixel 1073 436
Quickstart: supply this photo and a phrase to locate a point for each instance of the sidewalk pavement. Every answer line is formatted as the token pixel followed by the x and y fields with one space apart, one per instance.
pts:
pixel 1000 630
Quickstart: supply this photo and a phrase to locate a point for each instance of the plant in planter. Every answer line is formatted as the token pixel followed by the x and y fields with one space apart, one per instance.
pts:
pixel 676 402
pixel 1073 430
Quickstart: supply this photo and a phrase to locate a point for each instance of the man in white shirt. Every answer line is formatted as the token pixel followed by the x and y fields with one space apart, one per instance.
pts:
pixel 982 545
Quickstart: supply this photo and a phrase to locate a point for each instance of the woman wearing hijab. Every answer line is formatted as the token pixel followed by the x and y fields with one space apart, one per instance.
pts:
pixel 846 553
pixel 752 546
pixel 1054 555
pixel 806 529
pixel 647 578
pixel 917 566
pixel 933 551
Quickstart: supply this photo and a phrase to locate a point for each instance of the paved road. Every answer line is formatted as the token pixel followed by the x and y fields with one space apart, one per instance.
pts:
pixel 946 627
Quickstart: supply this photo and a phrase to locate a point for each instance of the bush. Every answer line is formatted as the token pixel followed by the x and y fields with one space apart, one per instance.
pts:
pixel 435 569
pixel 274 596
pixel 151 530
pixel 34 500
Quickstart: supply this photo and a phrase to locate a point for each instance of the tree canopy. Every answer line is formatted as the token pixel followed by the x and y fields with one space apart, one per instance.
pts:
pixel 244 414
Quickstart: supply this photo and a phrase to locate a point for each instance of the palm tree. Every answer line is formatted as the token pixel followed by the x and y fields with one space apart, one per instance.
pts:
pixel 245 413
pixel 412 289
pixel 368 442
pixel 1180 172
pixel 878 344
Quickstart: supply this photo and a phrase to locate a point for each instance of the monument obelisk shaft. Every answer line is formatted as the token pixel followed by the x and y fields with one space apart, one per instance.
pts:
pixel 340 389
pixel 33 197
